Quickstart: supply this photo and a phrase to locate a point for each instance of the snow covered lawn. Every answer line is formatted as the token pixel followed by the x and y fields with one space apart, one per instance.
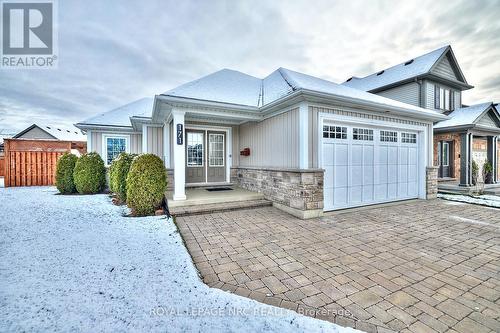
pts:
pixel 483 200
pixel 73 263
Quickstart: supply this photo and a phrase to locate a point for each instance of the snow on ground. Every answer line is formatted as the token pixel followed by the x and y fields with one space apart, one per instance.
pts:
pixel 484 200
pixel 74 263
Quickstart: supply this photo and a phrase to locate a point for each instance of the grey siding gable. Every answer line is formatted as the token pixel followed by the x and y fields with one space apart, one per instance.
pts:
pixel 444 69
pixel 36 133
pixel 487 120
pixel 407 93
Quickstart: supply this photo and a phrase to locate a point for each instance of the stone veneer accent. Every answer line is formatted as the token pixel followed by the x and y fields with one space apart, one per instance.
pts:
pixel 296 191
pixel 431 182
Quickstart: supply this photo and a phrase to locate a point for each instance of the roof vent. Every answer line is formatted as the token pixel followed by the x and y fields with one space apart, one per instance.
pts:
pixel 48 127
pixel 349 79
pixel 409 62
pixel 380 73
pixel 59 129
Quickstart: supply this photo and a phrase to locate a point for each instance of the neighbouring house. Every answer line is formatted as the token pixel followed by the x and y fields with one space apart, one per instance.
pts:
pixel 31 155
pixel 435 81
pixel 310 145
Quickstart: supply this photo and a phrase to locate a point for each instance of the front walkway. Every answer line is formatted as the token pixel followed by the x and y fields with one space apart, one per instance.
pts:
pixel 419 266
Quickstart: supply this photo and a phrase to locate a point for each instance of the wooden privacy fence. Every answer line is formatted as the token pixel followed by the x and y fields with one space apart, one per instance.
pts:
pixel 32 162
pixel 2 166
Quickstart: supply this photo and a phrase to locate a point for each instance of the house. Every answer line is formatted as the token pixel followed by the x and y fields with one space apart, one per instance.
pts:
pixel 49 132
pixel 31 155
pixel 310 145
pixel 434 81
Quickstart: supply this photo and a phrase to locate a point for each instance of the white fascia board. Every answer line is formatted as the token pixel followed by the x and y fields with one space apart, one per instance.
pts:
pixel 105 128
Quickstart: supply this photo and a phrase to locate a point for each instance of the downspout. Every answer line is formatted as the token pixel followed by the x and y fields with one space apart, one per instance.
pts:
pixel 420 93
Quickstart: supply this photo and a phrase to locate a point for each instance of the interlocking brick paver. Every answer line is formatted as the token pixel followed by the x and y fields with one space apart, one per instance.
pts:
pixel 408 267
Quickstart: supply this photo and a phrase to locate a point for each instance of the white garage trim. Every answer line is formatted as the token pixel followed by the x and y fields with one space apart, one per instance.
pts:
pixel 422 143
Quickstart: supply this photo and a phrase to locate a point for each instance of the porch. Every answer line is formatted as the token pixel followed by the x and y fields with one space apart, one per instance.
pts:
pixel 210 199
pixel 454 187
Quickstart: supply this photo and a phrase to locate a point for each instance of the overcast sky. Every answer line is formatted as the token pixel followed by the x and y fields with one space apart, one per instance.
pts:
pixel 113 52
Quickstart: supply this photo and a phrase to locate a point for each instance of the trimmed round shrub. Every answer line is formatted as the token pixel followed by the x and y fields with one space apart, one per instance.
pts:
pixel 118 177
pixel 64 173
pixel 90 174
pixel 146 184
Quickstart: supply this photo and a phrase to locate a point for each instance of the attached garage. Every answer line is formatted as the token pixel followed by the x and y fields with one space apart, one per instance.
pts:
pixel 370 162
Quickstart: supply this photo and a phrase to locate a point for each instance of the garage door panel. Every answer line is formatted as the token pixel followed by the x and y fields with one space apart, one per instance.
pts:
pixel 380 192
pixel 367 169
pixel 340 197
pixel 356 194
pixel 341 176
pixel 341 156
pixel 368 175
pixel 383 153
pixel 328 154
pixel 356 175
pixel 392 156
pixel 357 155
pixel 368 193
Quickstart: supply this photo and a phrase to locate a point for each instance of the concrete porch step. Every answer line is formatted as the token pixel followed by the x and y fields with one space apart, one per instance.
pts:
pixel 218 207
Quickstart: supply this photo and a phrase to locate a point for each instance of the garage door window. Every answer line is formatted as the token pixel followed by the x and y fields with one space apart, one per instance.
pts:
pixel 362 134
pixel 334 132
pixel 408 138
pixel 388 136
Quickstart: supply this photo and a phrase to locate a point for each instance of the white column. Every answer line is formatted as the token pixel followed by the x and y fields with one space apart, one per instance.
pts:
pixel 179 155
pixel 229 154
pixel 89 141
pixel 166 145
pixel 144 138
pixel 303 135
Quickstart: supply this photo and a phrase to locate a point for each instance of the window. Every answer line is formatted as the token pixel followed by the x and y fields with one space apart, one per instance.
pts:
pixel 115 145
pixel 194 149
pixel 444 99
pixel 445 158
pixel 216 150
pixel 334 132
pixel 388 136
pixel 408 138
pixel 362 134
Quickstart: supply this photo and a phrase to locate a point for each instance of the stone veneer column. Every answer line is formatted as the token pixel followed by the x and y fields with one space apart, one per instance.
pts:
pixel 431 182
pixel 296 191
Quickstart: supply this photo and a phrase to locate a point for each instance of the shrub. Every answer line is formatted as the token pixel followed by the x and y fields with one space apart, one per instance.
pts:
pixel 488 172
pixel 90 174
pixel 112 175
pixel 64 173
pixel 146 184
pixel 118 176
pixel 475 172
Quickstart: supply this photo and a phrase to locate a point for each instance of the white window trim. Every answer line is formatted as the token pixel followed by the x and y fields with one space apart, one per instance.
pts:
pixel 204 149
pixel 105 137
pixel 223 151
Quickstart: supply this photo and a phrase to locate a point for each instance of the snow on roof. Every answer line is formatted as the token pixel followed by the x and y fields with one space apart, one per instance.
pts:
pixel 464 116
pixel 419 66
pixel 64 134
pixel 6 133
pixel 234 87
pixel 227 86
pixel 121 115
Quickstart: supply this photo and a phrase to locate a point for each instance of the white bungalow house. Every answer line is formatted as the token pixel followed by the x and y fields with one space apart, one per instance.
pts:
pixel 310 145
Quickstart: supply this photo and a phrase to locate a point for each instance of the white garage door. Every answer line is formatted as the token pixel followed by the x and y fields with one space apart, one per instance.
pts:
pixel 367 165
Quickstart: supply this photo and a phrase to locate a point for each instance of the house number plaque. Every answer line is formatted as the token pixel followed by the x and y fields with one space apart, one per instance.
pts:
pixel 180 134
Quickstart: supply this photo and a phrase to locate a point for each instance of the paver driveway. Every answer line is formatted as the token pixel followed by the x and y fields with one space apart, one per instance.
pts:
pixel 418 266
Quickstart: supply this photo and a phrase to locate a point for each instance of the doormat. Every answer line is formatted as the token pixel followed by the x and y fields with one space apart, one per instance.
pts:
pixel 216 189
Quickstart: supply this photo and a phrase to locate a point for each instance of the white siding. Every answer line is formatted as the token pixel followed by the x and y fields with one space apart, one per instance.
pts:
pixel 273 142
pixel 407 93
pixel 155 140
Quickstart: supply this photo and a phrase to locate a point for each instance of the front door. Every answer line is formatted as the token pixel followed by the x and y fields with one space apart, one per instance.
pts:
pixel 444 155
pixel 205 156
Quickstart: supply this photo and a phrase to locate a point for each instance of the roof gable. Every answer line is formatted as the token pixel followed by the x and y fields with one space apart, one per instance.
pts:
pixel 437 62
pixel 447 67
pixel 41 132
pixel 471 115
